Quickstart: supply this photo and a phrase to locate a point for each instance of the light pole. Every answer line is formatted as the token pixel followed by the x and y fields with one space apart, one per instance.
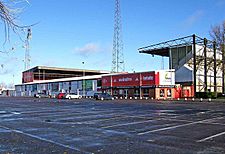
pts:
pixel 24 65
pixel 83 80
pixel 13 80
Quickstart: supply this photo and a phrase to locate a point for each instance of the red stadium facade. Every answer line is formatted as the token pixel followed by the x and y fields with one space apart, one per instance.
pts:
pixel 155 84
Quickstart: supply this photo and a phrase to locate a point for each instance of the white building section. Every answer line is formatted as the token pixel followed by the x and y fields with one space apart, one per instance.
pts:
pixel 198 63
pixel 65 85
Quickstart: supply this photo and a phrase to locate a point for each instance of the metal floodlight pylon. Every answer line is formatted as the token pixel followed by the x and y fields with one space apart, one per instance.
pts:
pixel 27 49
pixel 118 64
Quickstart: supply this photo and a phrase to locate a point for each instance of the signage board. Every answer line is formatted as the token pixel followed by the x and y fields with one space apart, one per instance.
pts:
pixel 28 77
pixel 148 79
pixel 131 80
pixel 88 85
pixel 167 77
pixel 106 81
pixel 126 80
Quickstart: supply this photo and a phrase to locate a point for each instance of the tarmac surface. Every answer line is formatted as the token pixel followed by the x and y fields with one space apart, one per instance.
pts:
pixel 29 125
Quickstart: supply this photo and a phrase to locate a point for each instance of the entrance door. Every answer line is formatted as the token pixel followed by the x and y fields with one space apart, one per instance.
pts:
pixel 126 92
pixel 169 94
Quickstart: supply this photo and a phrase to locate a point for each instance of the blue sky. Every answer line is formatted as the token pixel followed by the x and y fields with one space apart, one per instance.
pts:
pixel 71 31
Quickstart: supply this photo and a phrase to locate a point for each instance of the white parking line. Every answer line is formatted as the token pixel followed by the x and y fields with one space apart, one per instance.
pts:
pixel 72 114
pixel 141 117
pixel 213 123
pixel 43 139
pixel 180 120
pixel 177 126
pixel 175 120
pixel 166 128
pixel 118 116
pixel 41 111
pixel 84 122
pixel 125 124
pixel 210 137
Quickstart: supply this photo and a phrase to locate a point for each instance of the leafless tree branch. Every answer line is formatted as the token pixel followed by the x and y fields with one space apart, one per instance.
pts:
pixel 217 33
pixel 9 15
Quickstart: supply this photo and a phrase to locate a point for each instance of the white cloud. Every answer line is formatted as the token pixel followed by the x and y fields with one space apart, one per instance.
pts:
pixel 192 19
pixel 87 49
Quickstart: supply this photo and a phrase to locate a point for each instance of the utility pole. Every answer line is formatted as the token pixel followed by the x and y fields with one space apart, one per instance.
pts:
pixel 27 49
pixel 83 81
pixel 117 55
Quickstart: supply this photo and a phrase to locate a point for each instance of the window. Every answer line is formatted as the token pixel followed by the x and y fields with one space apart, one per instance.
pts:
pixel 145 91
pixel 162 93
pixel 168 92
pixel 115 92
pixel 99 83
pixel 136 92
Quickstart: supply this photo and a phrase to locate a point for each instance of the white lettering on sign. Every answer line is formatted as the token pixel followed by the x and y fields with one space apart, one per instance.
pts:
pixel 125 79
pixel 147 78
pixel 104 81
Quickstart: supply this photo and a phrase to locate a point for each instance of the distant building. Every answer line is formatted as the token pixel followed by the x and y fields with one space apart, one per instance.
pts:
pixel 1 89
pixel 7 91
pixel 39 73
pixel 52 80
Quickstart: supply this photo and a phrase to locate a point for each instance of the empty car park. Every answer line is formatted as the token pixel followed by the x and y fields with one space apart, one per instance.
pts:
pixel 29 125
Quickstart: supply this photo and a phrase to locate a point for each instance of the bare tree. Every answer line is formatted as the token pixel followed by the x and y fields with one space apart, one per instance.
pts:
pixel 217 33
pixel 8 15
pixel 3 85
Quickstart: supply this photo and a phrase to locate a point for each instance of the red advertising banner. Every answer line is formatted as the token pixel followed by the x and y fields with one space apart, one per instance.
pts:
pixel 148 78
pixel 106 81
pixel 132 79
pixel 126 80
pixel 28 77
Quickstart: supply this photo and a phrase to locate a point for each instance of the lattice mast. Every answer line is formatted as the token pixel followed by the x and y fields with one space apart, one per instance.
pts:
pixel 27 50
pixel 118 64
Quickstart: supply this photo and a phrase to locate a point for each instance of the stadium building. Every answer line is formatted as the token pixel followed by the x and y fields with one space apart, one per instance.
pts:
pixel 198 63
pixel 52 80
pixel 196 69
pixel 154 84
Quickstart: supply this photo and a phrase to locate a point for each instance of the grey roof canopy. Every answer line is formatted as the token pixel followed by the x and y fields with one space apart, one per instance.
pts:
pixel 162 49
